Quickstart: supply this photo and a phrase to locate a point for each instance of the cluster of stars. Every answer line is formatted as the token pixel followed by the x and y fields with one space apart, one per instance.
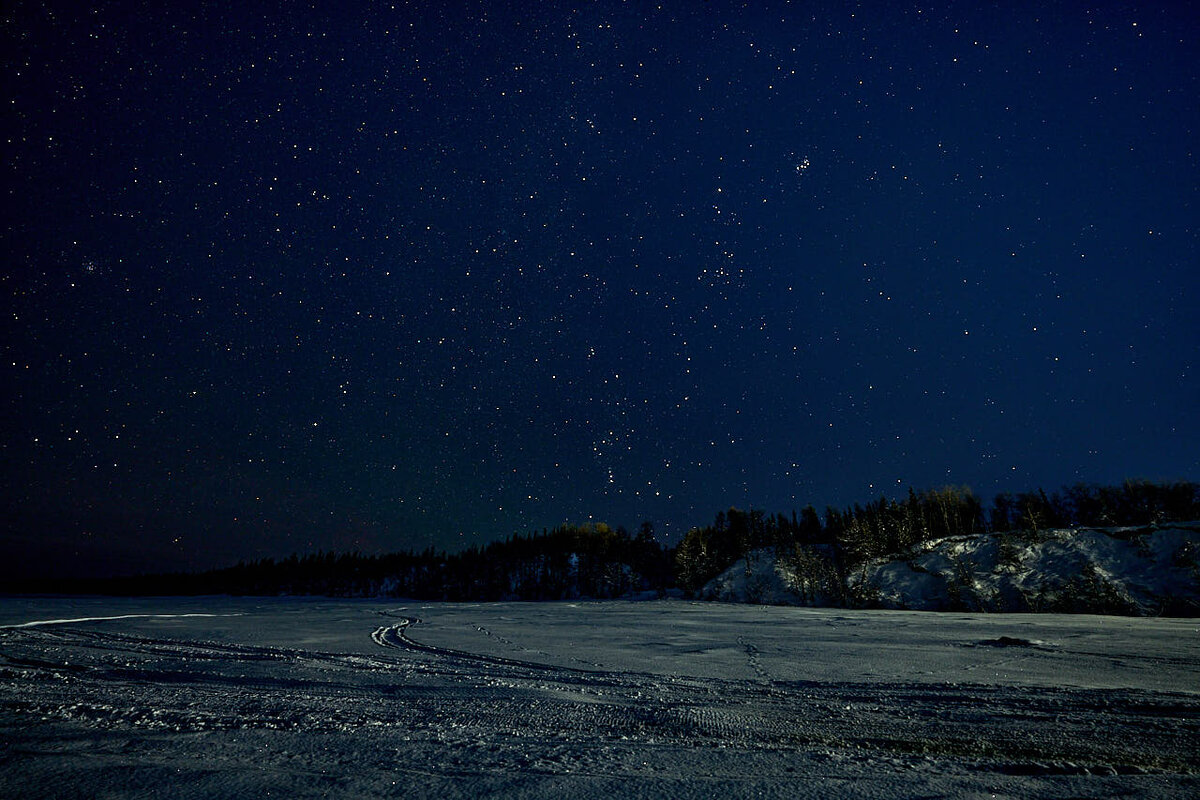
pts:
pixel 452 276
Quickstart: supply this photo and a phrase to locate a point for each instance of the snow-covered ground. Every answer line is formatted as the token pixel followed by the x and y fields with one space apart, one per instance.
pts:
pixel 222 697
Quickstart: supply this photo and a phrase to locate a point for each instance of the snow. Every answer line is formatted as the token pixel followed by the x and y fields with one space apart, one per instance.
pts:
pixel 37 622
pixel 1134 571
pixel 313 697
pixel 1137 571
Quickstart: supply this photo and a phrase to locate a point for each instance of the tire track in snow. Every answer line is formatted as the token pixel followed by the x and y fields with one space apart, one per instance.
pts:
pixel 999 725
pixel 397 636
pixel 42 622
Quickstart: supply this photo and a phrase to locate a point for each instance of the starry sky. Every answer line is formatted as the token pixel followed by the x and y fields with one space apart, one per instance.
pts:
pixel 289 277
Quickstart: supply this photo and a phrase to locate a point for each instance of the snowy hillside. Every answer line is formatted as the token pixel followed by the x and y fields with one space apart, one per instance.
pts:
pixel 1137 571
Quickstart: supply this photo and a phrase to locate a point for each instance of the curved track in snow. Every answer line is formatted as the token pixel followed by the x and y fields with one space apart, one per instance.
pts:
pixel 37 623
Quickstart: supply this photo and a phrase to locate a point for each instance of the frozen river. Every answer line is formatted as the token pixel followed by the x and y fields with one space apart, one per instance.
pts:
pixel 223 697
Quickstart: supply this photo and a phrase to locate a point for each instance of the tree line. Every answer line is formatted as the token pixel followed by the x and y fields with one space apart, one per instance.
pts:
pixel 597 561
pixel 568 562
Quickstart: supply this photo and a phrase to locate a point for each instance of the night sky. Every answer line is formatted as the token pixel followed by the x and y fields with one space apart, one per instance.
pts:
pixel 281 279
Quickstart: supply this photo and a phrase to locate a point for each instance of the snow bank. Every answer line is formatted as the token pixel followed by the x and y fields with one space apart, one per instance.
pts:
pixel 1135 571
pixel 758 578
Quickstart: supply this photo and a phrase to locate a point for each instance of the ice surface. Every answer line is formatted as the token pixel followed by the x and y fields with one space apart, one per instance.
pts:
pixel 307 697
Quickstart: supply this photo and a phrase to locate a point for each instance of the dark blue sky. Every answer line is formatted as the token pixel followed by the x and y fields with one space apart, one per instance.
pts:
pixel 281 279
